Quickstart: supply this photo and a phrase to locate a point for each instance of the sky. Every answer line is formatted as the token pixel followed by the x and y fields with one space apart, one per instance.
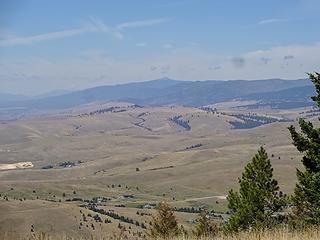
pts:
pixel 75 44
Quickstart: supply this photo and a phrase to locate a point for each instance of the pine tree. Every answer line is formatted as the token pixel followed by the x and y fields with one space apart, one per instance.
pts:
pixel 307 191
pixel 205 226
pixel 259 197
pixel 164 224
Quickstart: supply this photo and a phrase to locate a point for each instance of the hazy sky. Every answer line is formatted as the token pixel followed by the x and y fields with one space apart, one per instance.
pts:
pixel 74 44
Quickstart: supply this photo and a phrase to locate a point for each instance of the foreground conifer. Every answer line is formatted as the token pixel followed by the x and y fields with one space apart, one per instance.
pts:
pixel 306 197
pixel 258 199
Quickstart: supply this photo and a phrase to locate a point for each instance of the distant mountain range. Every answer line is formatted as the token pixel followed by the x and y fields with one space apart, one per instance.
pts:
pixel 166 92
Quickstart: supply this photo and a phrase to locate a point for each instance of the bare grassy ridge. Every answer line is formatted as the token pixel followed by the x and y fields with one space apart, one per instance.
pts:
pixel 280 234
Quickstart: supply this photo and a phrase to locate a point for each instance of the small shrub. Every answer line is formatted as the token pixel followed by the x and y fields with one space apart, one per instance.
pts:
pixel 164 224
pixel 205 227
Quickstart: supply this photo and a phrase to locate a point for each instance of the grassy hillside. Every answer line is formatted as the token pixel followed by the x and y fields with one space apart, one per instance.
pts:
pixel 136 152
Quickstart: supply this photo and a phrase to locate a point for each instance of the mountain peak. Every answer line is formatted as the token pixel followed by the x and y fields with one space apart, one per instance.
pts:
pixel 164 79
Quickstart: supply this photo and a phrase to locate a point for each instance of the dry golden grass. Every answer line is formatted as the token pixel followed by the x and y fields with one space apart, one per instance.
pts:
pixel 111 147
pixel 281 234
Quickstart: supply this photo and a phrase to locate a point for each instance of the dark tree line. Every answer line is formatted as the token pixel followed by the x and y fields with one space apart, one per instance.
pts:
pixel 117 216
pixel 252 121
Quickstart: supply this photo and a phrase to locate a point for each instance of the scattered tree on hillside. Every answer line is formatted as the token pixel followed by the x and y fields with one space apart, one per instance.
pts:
pixel 307 191
pixel 164 224
pixel 258 199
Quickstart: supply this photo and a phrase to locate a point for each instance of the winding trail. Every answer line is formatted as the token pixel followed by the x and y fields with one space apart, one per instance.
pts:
pixel 220 197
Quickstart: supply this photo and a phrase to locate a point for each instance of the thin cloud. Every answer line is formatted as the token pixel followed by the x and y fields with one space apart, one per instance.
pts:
pixel 143 23
pixel 95 25
pixel 102 27
pixel 43 37
pixel 271 20
pixel 167 46
pixel 99 25
pixel 142 44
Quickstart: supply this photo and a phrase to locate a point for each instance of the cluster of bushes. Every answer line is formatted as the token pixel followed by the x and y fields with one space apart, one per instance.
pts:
pixel 311 113
pixel 95 217
pixel 194 146
pixel 115 109
pixel 143 213
pixel 104 110
pixel 160 168
pixel 181 122
pixel 142 114
pixel 252 121
pixel 75 199
pixel 67 164
pixel 188 209
pixel 120 186
pixel 142 120
pixel 209 110
pixel 49 166
pixel 116 216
